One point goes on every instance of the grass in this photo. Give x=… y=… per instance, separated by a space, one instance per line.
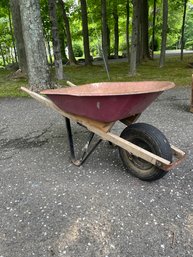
x=174 y=70
x=10 y=87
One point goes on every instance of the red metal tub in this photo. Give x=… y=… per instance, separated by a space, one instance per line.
x=108 y=101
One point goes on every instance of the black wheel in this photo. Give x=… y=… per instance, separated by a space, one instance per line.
x=151 y=139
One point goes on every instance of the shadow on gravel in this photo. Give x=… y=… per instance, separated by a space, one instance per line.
x=35 y=139
x=22 y=143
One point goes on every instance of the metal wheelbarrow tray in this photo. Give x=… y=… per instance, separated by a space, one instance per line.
x=108 y=101
x=144 y=150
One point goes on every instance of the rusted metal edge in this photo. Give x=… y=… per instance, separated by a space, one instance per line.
x=179 y=156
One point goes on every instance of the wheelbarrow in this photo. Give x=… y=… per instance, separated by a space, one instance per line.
x=144 y=150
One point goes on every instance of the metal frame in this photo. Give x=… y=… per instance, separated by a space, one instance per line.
x=86 y=150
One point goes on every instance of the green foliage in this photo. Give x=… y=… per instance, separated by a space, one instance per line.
x=174 y=24
x=188 y=35
x=45 y=19
x=78 y=52
x=5 y=41
x=94 y=23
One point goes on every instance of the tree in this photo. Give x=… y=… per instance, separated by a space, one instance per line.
x=145 y=30
x=135 y=37
x=85 y=32
x=68 y=33
x=81 y=24
x=183 y=27
x=5 y=41
x=164 y=33
x=38 y=71
x=18 y=33
x=116 y=29
x=142 y=31
x=56 y=41
x=2 y=51
x=11 y=32
x=153 y=29
x=104 y=34
x=47 y=29
x=61 y=33
x=188 y=35
x=127 y=28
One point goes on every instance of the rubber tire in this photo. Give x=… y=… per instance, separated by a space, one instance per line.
x=151 y=139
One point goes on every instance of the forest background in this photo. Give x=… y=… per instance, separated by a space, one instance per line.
x=78 y=34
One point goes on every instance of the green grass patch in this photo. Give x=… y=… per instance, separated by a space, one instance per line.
x=174 y=70
x=9 y=86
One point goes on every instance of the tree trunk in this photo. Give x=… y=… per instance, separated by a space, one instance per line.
x=139 y=33
x=63 y=46
x=164 y=33
x=145 y=30
x=56 y=41
x=12 y=56
x=38 y=71
x=127 y=30
x=153 y=29
x=18 y=33
x=12 y=36
x=183 y=27
x=134 y=39
x=143 y=33
x=116 y=29
x=2 y=55
x=104 y=34
x=68 y=34
x=109 y=40
x=85 y=32
x=49 y=52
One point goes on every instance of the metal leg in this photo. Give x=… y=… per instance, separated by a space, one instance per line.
x=86 y=152
x=85 y=148
x=70 y=139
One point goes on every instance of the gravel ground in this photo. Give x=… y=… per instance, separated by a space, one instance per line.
x=48 y=207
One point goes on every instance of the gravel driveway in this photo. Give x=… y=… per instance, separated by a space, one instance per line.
x=48 y=207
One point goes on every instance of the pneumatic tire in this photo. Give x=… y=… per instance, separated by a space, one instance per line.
x=151 y=139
